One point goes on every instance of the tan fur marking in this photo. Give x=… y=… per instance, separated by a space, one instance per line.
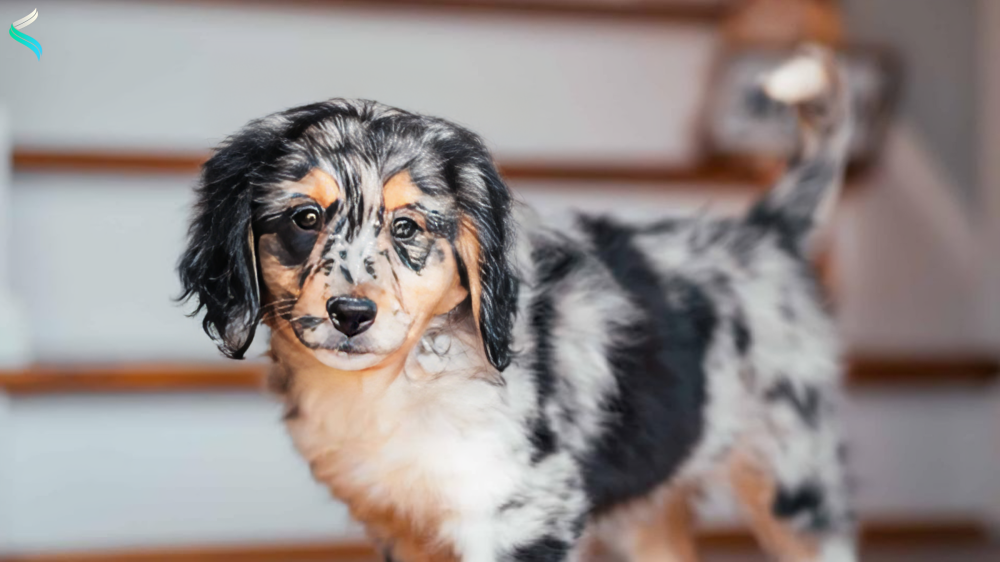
x=755 y=490
x=467 y=245
x=319 y=185
x=655 y=528
x=280 y=282
x=455 y=293
x=343 y=425
x=400 y=191
x=668 y=536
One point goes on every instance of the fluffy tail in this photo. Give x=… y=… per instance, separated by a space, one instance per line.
x=812 y=83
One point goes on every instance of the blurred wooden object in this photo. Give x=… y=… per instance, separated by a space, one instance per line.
x=109 y=161
x=784 y=23
x=739 y=124
x=775 y=25
x=133 y=378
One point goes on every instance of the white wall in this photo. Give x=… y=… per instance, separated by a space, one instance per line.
x=93 y=255
x=938 y=40
x=990 y=165
x=7 y=474
x=99 y=472
x=989 y=173
x=183 y=75
x=912 y=254
x=111 y=471
x=14 y=345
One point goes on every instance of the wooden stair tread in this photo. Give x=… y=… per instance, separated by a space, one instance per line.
x=689 y=12
x=863 y=372
x=951 y=533
x=717 y=172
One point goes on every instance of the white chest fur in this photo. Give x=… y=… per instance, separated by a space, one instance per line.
x=432 y=452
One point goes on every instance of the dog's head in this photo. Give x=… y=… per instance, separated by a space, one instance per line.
x=351 y=224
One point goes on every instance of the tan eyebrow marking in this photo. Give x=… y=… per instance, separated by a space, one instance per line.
x=400 y=191
x=319 y=185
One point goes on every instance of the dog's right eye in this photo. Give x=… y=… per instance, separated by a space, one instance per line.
x=404 y=228
x=306 y=219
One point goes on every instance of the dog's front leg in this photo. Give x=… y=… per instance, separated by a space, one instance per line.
x=527 y=541
x=542 y=525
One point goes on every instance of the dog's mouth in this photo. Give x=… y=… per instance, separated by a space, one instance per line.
x=319 y=334
x=350 y=346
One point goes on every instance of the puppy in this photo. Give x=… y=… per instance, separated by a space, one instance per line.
x=477 y=386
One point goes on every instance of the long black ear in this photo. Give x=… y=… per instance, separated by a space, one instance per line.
x=485 y=242
x=219 y=267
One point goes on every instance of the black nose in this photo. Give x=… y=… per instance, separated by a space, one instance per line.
x=350 y=315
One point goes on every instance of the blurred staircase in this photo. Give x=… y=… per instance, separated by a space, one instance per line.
x=197 y=438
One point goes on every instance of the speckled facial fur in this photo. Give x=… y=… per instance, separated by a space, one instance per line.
x=336 y=158
x=524 y=390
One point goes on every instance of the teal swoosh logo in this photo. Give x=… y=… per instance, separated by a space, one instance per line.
x=23 y=38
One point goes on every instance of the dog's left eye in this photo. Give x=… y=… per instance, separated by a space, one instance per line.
x=404 y=228
x=306 y=219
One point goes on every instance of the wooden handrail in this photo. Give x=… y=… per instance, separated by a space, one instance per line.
x=894 y=371
x=862 y=372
